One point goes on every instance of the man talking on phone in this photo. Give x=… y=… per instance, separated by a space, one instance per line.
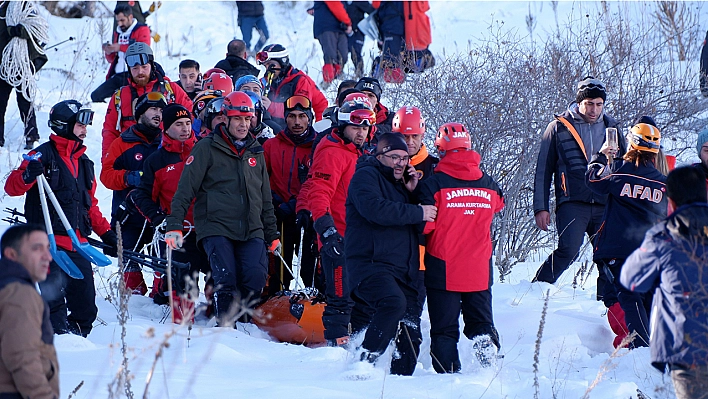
x=566 y=147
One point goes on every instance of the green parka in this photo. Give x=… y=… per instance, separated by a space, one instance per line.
x=232 y=191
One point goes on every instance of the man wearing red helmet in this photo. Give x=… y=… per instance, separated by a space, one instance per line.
x=409 y=121
x=226 y=176
x=325 y=192
x=459 y=277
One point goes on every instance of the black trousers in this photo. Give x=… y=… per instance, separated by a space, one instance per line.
x=107 y=88
x=396 y=310
x=27 y=113
x=335 y=317
x=392 y=53
x=356 y=45
x=573 y=220
x=335 y=47
x=72 y=303
x=444 y=309
x=238 y=267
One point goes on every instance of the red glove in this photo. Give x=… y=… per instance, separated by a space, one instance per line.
x=275 y=246
x=174 y=239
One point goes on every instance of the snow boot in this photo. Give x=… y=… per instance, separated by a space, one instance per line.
x=329 y=72
x=225 y=315
x=394 y=75
x=364 y=368
x=484 y=350
x=182 y=309
x=615 y=315
x=135 y=282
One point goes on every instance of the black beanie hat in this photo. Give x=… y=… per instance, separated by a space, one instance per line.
x=369 y=84
x=590 y=87
x=646 y=119
x=173 y=112
x=390 y=142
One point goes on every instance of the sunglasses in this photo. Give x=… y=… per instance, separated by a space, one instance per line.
x=295 y=101
x=84 y=116
x=137 y=59
x=361 y=117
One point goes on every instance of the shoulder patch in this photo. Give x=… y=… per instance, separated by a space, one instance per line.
x=190 y=159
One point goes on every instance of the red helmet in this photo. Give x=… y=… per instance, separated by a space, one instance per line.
x=358 y=97
x=238 y=103
x=408 y=120
x=219 y=81
x=453 y=136
x=212 y=71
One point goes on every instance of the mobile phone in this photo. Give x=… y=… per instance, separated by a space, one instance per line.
x=406 y=176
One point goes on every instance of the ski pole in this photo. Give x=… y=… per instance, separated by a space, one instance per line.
x=71 y=38
x=286 y=265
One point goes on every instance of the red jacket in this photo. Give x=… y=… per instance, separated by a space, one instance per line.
x=286 y=161
x=417 y=25
x=161 y=174
x=458 y=244
x=332 y=169
x=295 y=82
x=117 y=122
x=69 y=151
x=140 y=33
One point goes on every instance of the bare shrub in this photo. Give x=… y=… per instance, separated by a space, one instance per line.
x=506 y=87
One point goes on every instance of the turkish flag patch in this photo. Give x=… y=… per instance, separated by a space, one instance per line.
x=252 y=162
x=190 y=159
x=138 y=157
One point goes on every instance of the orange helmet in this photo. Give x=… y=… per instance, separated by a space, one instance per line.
x=453 y=136
x=408 y=120
x=238 y=103
x=645 y=137
x=212 y=71
x=219 y=81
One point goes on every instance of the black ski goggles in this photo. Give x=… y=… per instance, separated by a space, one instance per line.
x=137 y=59
x=84 y=117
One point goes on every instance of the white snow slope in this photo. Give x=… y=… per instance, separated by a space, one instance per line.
x=209 y=362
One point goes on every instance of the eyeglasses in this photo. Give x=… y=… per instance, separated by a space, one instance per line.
x=396 y=159
x=301 y=101
x=84 y=116
x=137 y=59
x=361 y=117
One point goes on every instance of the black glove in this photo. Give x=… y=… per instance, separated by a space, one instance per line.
x=34 y=169
x=303 y=220
x=157 y=222
x=111 y=239
x=333 y=244
x=286 y=209
x=14 y=31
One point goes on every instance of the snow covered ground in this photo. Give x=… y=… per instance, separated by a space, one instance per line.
x=209 y=362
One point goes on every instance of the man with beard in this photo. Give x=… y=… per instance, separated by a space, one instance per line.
x=128 y=31
x=145 y=75
x=381 y=249
x=225 y=175
x=326 y=192
x=70 y=172
x=122 y=167
x=153 y=198
x=287 y=156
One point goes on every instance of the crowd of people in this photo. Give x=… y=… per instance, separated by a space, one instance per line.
x=380 y=226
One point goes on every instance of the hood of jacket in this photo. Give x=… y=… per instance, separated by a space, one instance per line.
x=12 y=269
x=463 y=165
x=689 y=221
x=67 y=147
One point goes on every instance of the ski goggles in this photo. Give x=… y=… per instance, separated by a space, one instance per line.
x=360 y=117
x=263 y=56
x=298 y=101
x=84 y=116
x=234 y=110
x=152 y=99
x=137 y=59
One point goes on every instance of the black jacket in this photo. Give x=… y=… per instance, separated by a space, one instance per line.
x=249 y=8
x=562 y=158
x=382 y=225
x=637 y=201
x=356 y=11
x=236 y=67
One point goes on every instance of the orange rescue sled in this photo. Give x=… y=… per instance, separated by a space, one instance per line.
x=293 y=317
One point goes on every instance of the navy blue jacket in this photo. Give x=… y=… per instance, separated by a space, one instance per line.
x=636 y=202
x=672 y=261
x=390 y=17
x=382 y=225
x=325 y=21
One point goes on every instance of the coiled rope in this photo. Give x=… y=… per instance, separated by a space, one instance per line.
x=16 y=67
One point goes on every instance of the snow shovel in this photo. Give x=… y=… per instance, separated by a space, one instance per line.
x=369 y=27
x=84 y=249
x=60 y=257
